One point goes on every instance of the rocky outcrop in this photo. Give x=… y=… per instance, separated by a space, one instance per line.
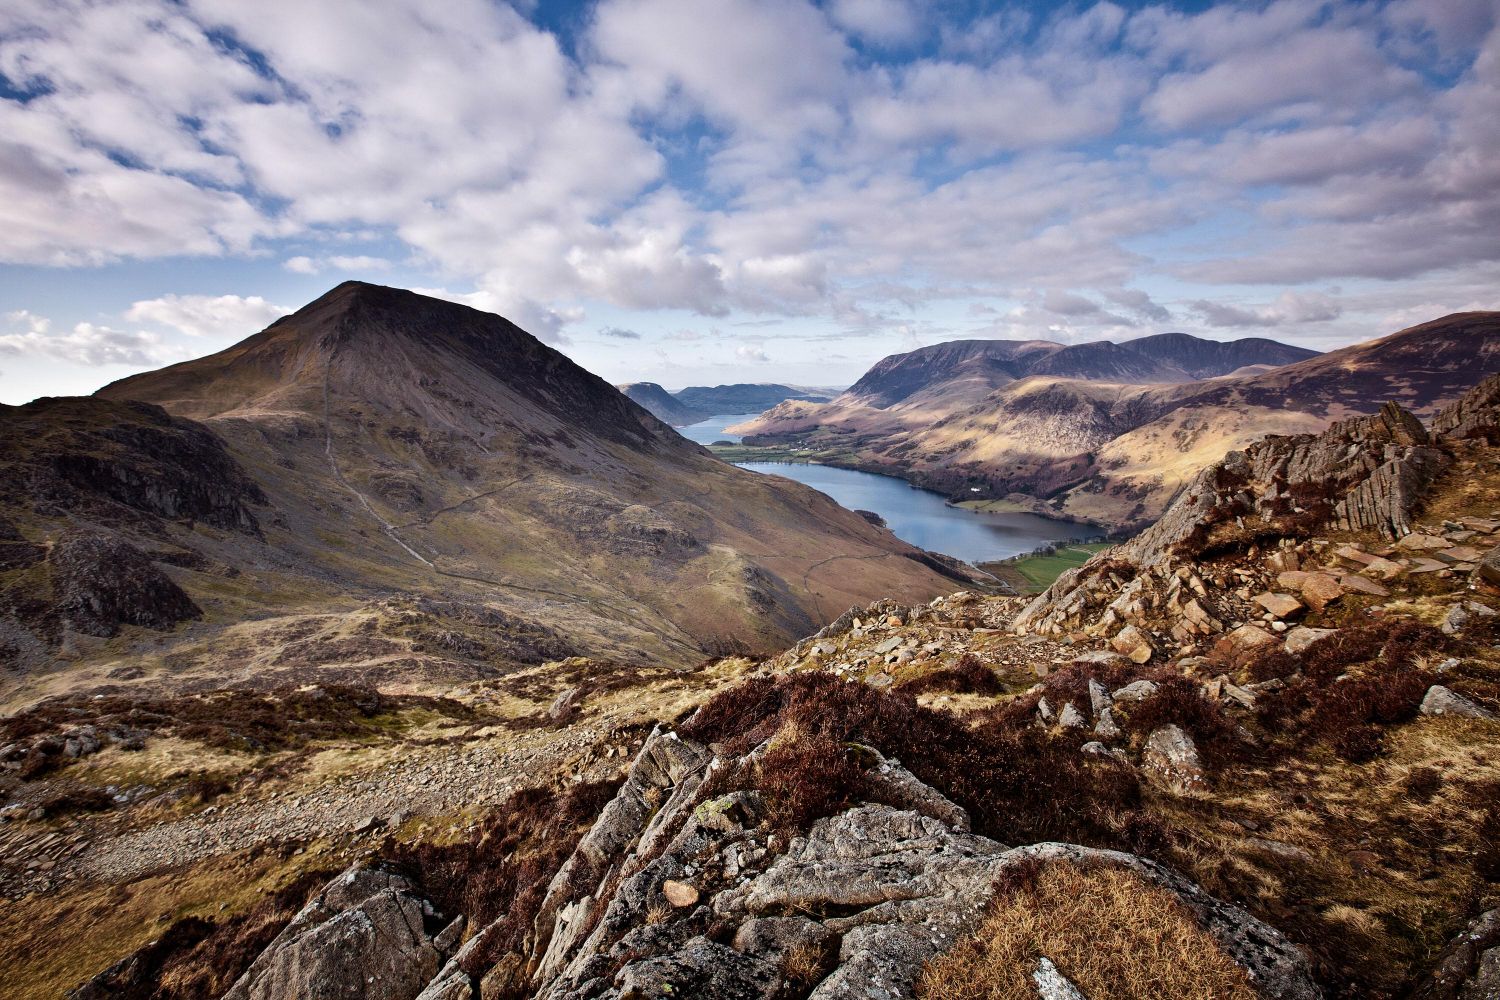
x=678 y=893
x=1475 y=417
x=1368 y=473
x=369 y=935
x=100 y=583
x=115 y=460
x=1469 y=968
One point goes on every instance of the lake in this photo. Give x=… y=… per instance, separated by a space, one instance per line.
x=711 y=430
x=924 y=518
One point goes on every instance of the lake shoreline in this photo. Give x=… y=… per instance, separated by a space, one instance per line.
x=742 y=455
x=927 y=519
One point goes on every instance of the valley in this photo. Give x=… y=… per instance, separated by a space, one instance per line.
x=1258 y=691
x=793 y=500
x=1104 y=434
x=486 y=652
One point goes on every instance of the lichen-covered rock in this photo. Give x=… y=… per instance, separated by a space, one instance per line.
x=856 y=907
x=1440 y=700
x=100 y=583
x=1469 y=967
x=1172 y=755
x=367 y=936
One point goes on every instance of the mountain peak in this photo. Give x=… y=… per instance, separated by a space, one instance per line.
x=368 y=345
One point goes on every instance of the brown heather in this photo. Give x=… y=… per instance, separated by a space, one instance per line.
x=1115 y=936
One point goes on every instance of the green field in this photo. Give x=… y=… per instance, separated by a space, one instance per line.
x=994 y=506
x=745 y=453
x=1034 y=574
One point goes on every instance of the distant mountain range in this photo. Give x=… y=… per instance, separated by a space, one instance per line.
x=384 y=486
x=699 y=402
x=1109 y=432
x=971 y=365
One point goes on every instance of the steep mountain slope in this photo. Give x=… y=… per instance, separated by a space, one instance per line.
x=1115 y=451
x=378 y=444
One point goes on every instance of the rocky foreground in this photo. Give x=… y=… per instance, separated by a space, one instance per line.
x=1251 y=753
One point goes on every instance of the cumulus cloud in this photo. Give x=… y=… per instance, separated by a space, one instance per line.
x=854 y=160
x=882 y=22
x=85 y=344
x=1289 y=309
x=348 y=265
x=207 y=315
x=749 y=352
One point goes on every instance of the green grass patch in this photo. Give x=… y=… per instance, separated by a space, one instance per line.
x=746 y=453
x=994 y=506
x=1034 y=574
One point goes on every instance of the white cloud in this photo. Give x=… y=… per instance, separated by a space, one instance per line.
x=882 y=22
x=1289 y=309
x=748 y=352
x=220 y=316
x=346 y=264
x=86 y=344
x=857 y=161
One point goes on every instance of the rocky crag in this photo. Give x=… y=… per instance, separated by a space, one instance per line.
x=1249 y=754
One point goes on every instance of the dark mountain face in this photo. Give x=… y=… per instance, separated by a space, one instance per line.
x=1106 y=362
x=1168 y=357
x=895 y=378
x=1201 y=358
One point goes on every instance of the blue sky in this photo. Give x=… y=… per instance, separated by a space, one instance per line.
x=704 y=191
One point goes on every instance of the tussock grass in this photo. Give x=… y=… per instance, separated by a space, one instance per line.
x=1114 y=935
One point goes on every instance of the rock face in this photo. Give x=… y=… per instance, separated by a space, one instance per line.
x=1475 y=417
x=1367 y=473
x=101 y=583
x=1469 y=968
x=852 y=910
x=114 y=460
x=367 y=936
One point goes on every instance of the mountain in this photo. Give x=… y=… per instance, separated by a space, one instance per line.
x=390 y=487
x=660 y=403
x=1200 y=358
x=697 y=402
x=747 y=397
x=1108 y=435
x=971 y=365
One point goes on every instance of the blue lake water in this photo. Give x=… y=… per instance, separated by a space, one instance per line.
x=711 y=430
x=924 y=518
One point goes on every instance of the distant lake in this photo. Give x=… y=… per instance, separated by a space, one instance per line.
x=924 y=518
x=711 y=430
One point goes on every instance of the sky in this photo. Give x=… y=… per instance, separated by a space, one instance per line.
x=709 y=191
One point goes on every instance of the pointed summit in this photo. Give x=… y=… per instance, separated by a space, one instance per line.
x=392 y=349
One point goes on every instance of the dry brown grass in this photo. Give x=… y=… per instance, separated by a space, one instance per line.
x=1116 y=936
